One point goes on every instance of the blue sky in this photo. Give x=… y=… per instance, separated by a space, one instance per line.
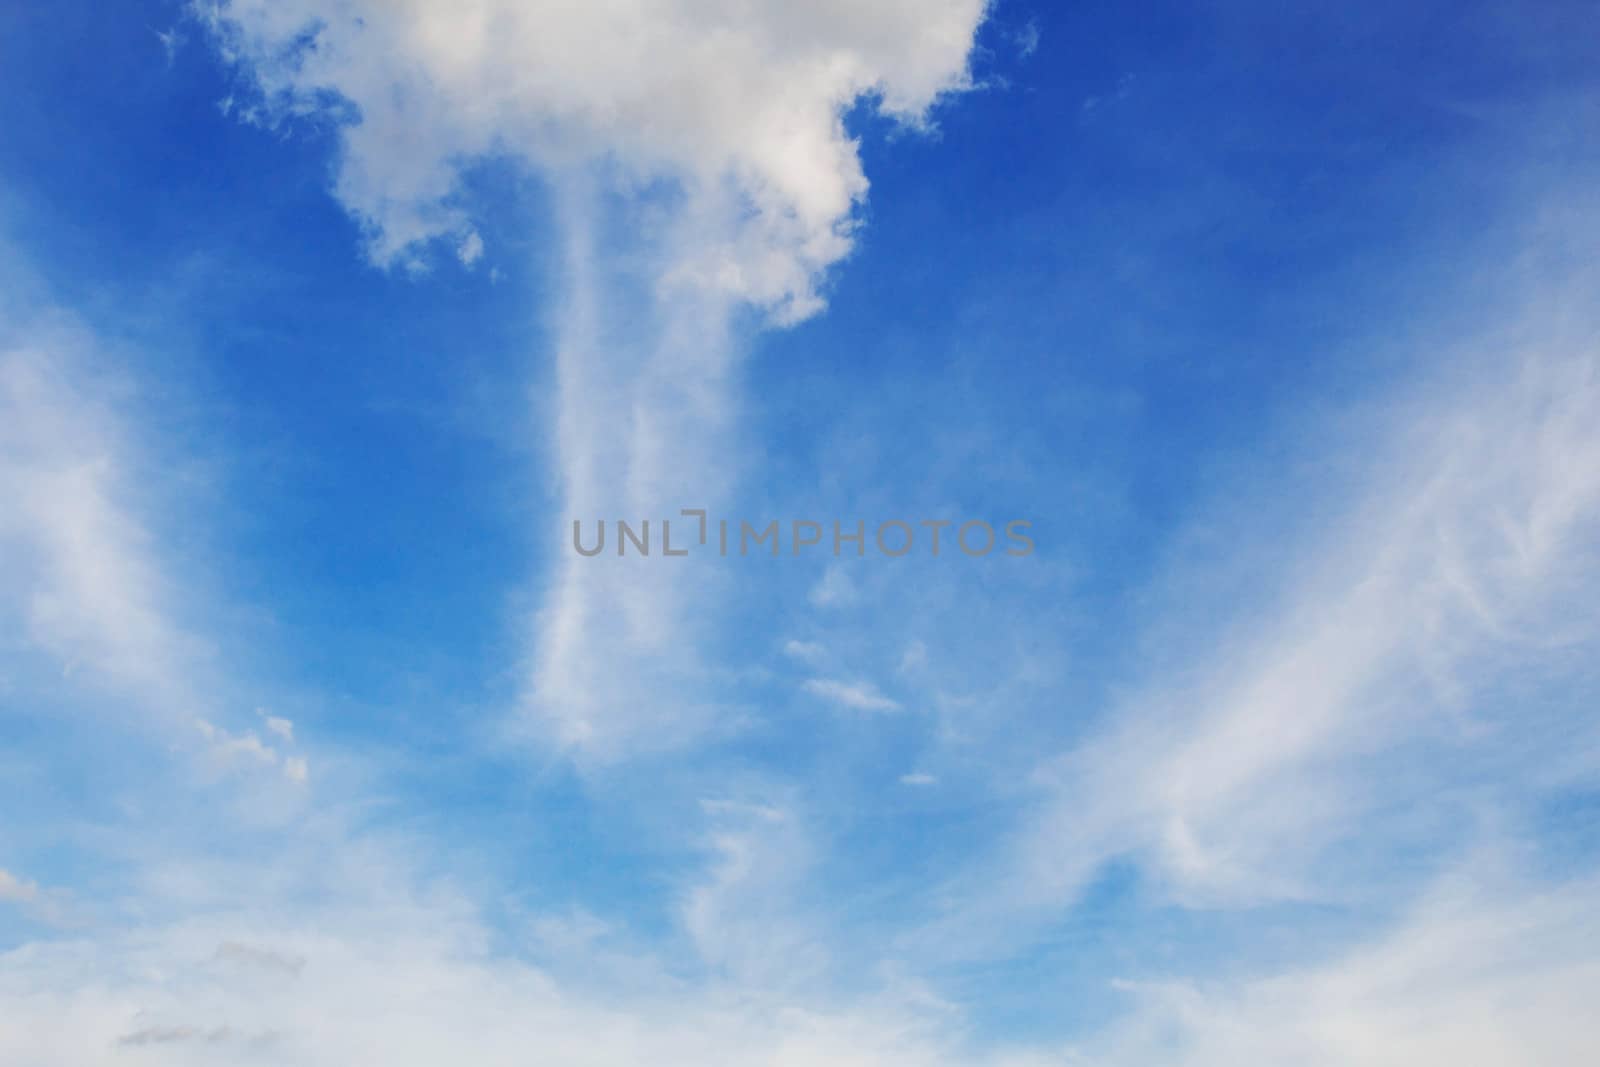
x=321 y=321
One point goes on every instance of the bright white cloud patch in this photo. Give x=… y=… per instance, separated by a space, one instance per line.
x=470 y=250
x=78 y=570
x=858 y=696
x=740 y=104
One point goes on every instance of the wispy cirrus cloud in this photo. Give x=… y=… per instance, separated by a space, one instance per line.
x=228 y=940
x=805 y=651
x=1373 y=687
x=857 y=696
x=82 y=575
x=107 y=616
x=1483 y=971
x=322 y=938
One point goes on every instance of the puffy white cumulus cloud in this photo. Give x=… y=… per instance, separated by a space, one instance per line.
x=738 y=105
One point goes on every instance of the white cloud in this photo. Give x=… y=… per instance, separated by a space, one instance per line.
x=328 y=949
x=78 y=564
x=1366 y=684
x=834 y=589
x=698 y=162
x=470 y=250
x=1473 y=978
x=280 y=726
x=227 y=751
x=805 y=651
x=171 y=41
x=741 y=107
x=860 y=696
x=227 y=748
x=1027 y=39
x=742 y=913
x=918 y=778
x=53 y=907
x=16 y=890
x=397 y=992
x=101 y=608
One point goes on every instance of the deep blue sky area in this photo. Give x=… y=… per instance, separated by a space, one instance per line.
x=213 y=246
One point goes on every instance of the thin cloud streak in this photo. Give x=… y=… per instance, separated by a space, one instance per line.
x=1462 y=560
x=108 y=618
x=857 y=696
x=79 y=568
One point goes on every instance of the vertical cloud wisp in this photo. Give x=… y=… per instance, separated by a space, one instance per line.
x=701 y=165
